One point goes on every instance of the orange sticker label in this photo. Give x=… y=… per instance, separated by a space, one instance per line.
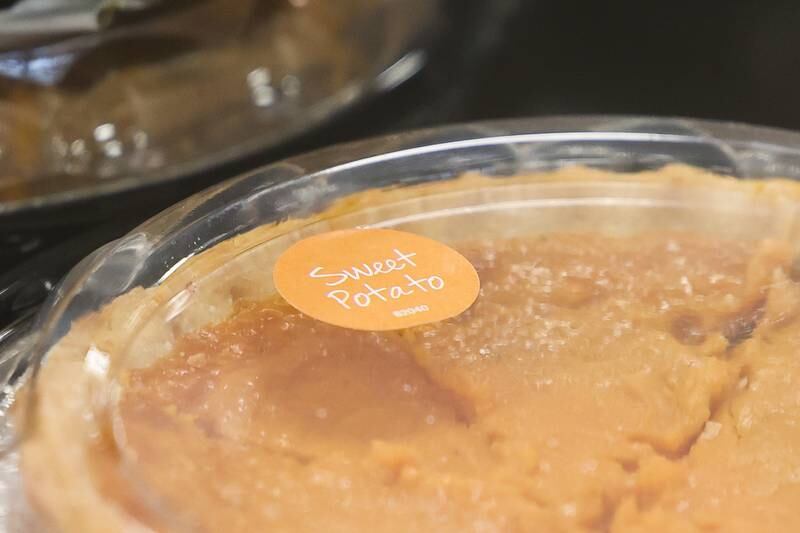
x=375 y=279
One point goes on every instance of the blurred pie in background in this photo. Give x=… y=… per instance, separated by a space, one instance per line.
x=106 y=96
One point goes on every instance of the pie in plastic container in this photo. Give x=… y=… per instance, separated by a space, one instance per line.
x=630 y=362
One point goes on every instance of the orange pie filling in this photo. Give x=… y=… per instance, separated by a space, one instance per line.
x=601 y=384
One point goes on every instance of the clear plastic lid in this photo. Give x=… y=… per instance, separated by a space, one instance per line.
x=623 y=290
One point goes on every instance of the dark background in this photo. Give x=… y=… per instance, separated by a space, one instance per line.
x=731 y=60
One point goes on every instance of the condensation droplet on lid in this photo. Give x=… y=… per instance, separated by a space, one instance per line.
x=96 y=362
x=77 y=147
x=569 y=510
x=687 y=286
x=259 y=76
x=263 y=95
x=710 y=430
x=105 y=132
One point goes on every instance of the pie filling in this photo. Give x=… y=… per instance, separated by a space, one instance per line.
x=598 y=383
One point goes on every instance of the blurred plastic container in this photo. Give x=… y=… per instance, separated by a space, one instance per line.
x=184 y=86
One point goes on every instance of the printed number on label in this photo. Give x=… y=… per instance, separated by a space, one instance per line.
x=411 y=311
